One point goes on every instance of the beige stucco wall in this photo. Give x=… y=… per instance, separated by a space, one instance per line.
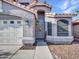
x=76 y=30
x=10 y=9
x=54 y=24
x=24 y=30
x=59 y=39
x=42 y=8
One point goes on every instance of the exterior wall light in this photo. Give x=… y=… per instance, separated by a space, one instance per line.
x=29 y=22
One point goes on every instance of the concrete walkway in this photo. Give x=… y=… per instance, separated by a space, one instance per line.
x=24 y=54
x=42 y=51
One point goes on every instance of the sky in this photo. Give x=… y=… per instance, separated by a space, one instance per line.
x=64 y=6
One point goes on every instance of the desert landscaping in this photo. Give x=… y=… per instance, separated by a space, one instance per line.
x=65 y=51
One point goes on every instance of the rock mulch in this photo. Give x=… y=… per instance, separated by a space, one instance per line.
x=65 y=51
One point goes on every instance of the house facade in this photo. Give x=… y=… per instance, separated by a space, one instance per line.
x=25 y=21
x=76 y=29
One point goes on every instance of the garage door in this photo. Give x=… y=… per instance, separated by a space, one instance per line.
x=10 y=32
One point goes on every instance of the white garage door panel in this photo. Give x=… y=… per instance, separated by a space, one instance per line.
x=10 y=34
x=4 y=34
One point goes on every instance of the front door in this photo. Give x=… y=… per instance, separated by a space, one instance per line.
x=40 y=26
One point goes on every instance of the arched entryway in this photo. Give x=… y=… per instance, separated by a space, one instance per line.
x=40 y=25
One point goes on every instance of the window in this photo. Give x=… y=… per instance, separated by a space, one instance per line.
x=11 y=22
x=62 y=28
x=18 y=22
x=5 y=22
x=49 y=28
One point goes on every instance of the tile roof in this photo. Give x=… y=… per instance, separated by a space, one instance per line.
x=60 y=15
x=23 y=7
x=76 y=22
x=39 y=4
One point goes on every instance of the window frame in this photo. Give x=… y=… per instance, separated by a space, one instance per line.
x=60 y=32
x=49 y=28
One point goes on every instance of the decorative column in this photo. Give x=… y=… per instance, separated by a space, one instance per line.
x=70 y=28
x=28 y=31
x=55 y=27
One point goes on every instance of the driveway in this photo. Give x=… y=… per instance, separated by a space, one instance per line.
x=7 y=51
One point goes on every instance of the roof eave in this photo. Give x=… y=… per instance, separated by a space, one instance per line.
x=20 y=7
